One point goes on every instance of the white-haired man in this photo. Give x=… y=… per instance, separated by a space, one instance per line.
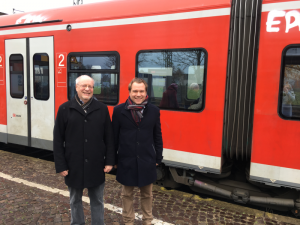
x=84 y=149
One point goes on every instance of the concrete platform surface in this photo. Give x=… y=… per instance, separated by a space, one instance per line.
x=32 y=193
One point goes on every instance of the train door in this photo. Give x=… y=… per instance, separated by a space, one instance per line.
x=16 y=78
x=30 y=91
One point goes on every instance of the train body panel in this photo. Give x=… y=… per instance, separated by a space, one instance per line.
x=275 y=158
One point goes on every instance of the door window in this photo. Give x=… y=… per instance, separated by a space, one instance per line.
x=16 y=70
x=41 y=76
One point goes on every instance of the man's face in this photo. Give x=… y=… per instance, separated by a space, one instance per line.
x=85 y=89
x=138 y=93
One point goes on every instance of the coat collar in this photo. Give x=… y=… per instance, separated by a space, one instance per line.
x=92 y=107
x=127 y=113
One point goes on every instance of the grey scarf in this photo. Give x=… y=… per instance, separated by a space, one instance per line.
x=83 y=105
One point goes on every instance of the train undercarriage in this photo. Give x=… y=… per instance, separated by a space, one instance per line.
x=232 y=184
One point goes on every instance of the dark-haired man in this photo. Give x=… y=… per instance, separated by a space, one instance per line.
x=138 y=143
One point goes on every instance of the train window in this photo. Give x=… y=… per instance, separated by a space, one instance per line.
x=290 y=84
x=175 y=77
x=41 y=76
x=16 y=70
x=103 y=67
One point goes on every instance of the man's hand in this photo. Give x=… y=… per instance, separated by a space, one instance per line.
x=64 y=173
x=107 y=169
x=157 y=164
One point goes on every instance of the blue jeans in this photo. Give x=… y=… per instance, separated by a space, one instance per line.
x=96 y=203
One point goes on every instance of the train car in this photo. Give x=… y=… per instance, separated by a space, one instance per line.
x=225 y=74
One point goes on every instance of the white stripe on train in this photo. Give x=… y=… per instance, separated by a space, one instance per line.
x=3 y=128
x=192 y=159
x=275 y=173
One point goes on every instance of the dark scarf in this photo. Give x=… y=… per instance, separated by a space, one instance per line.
x=136 y=110
x=83 y=105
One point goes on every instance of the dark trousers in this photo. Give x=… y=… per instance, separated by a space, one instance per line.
x=96 y=204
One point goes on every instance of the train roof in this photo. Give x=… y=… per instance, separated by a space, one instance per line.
x=111 y=9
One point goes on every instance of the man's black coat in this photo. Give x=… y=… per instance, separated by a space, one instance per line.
x=139 y=147
x=83 y=143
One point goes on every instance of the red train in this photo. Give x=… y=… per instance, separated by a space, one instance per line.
x=225 y=73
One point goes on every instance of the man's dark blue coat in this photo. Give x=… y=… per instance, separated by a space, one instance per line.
x=138 y=147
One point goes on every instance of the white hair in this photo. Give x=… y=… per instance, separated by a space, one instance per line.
x=82 y=76
x=194 y=85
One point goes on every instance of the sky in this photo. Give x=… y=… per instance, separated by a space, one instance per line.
x=6 y=6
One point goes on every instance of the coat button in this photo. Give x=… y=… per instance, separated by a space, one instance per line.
x=86 y=160
x=137 y=143
x=138 y=156
x=85 y=140
x=85 y=120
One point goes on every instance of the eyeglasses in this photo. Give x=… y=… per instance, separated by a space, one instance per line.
x=84 y=86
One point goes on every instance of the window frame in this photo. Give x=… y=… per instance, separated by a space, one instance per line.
x=33 y=76
x=281 y=82
x=10 y=83
x=204 y=74
x=104 y=53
